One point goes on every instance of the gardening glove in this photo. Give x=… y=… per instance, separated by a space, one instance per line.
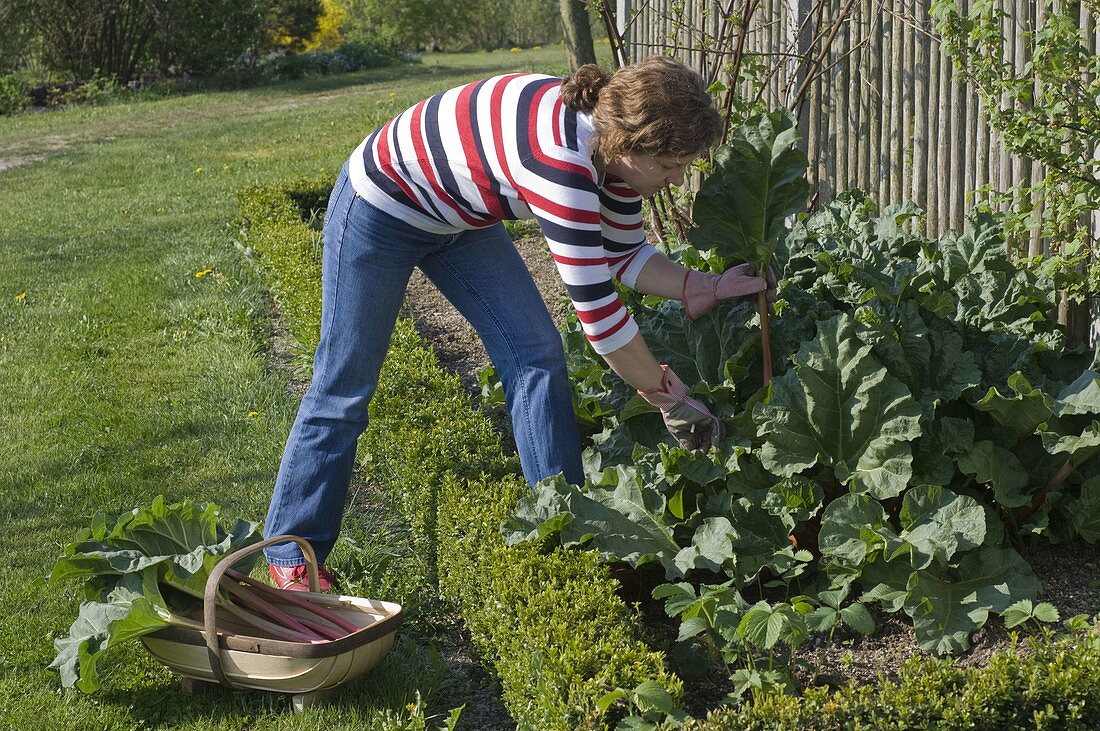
x=702 y=291
x=693 y=426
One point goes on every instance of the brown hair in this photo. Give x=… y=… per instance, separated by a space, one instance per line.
x=657 y=106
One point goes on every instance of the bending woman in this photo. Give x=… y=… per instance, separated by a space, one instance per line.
x=430 y=189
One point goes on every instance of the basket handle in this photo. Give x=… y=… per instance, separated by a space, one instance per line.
x=209 y=605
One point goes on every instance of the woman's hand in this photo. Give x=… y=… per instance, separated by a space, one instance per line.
x=702 y=291
x=687 y=419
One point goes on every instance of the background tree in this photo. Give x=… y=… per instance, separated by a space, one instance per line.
x=14 y=41
x=1047 y=110
x=577 y=28
x=88 y=37
x=205 y=36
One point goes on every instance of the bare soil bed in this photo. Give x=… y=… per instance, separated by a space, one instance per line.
x=1070 y=574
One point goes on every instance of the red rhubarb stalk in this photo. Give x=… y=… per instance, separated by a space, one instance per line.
x=292 y=598
x=765 y=336
x=252 y=600
x=272 y=629
x=322 y=628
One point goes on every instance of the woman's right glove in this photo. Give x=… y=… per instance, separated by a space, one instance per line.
x=693 y=426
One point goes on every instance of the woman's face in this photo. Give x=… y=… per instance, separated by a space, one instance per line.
x=647 y=174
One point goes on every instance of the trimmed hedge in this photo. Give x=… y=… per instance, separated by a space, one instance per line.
x=1048 y=685
x=551 y=624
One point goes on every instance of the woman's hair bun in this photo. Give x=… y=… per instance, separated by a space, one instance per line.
x=582 y=89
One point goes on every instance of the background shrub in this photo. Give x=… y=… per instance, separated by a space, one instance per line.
x=15 y=93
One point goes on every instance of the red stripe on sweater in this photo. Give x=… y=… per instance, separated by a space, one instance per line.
x=423 y=160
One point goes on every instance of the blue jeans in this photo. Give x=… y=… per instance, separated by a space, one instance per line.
x=367 y=261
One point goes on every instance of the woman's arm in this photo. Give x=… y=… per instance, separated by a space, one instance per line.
x=635 y=364
x=661 y=276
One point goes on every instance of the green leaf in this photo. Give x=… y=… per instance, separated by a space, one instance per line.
x=996 y=466
x=628 y=522
x=133 y=607
x=947 y=608
x=765 y=625
x=858 y=618
x=797 y=497
x=1017 y=613
x=822 y=619
x=711 y=547
x=757 y=182
x=1061 y=438
x=1080 y=397
x=1086 y=510
x=979 y=248
x=1045 y=612
x=851 y=529
x=186 y=537
x=839 y=407
x=124 y=561
x=1020 y=413
x=652 y=696
x=938 y=523
x=759 y=540
x=934 y=452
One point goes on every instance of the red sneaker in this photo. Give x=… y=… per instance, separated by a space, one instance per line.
x=295 y=578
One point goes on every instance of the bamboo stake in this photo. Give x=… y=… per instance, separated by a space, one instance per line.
x=921 y=71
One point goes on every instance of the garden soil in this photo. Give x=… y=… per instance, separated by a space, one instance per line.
x=1070 y=575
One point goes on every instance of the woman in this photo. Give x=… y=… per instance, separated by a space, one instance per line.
x=429 y=190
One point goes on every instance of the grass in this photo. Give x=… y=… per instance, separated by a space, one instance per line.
x=134 y=359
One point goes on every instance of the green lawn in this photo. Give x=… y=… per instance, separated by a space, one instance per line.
x=123 y=375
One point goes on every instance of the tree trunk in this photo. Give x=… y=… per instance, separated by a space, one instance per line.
x=578 y=34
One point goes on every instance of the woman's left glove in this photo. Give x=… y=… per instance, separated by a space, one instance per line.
x=687 y=419
x=703 y=291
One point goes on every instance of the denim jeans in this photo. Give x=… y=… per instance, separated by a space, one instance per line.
x=367 y=261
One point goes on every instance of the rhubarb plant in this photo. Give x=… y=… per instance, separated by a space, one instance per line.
x=926 y=422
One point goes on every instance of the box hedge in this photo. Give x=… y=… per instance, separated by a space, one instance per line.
x=1042 y=684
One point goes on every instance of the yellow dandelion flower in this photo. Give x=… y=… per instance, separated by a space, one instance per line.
x=203 y=273
x=515 y=49
x=198 y=170
x=411 y=707
x=253 y=414
x=21 y=297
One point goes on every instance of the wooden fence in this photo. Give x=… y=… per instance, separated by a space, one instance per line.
x=889 y=116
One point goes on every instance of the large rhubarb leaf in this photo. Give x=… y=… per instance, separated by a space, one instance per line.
x=937 y=523
x=1086 y=510
x=1082 y=397
x=629 y=522
x=947 y=608
x=839 y=407
x=186 y=538
x=133 y=607
x=932 y=363
x=993 y=465
x=715 y=348
x=1020 y=413
x=757 y=182
x=979 y=248
x=124 y=562
x=852 y=532
x=934 y=453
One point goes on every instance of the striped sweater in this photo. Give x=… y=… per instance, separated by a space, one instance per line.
x=508 y=148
